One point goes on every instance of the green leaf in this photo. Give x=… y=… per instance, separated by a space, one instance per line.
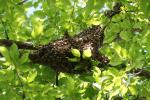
x=24 y=58
x=6 y=75
x=126 y=35
x=31 y=76
x=115 y=60
x=145 y=6
x=133 y=90
x=87 y=53
x=123 y=90
x=14 y=53
x=87 y=77
x=117 y=80
x=121 y=52
x=5 y=53
x=37 y=26
x=73 y=59
x=3 y=4
x=96 y=73
x=113 y=71
x=114 y=93
x=75 y=52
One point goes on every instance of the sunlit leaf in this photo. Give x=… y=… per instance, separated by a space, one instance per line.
x=24 y=58
x=31 y=76
x=87 y=53
x=5 y=53
x=75 y=52
x=14 y=53
x=126 y=35
x=133 y=90
x=73 y=59
x=123 y=90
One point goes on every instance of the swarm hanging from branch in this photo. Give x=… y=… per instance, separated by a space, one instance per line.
x=56 y=54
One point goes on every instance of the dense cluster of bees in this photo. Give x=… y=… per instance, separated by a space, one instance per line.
x=59 y=56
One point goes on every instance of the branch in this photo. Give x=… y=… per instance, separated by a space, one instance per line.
x=22 y=2
x=141 y=72
x=21 y=45
x=116 y=10
x=135 y=72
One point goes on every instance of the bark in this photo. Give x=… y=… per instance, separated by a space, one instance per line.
x=21 y=45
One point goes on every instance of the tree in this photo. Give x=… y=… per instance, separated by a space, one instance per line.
x=74 y=50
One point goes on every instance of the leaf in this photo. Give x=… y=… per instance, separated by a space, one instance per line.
x=133 y=90
x=96 y=73
x=117 y=81
x=24 y=58
x=126 y=35
x=99 y=97
x=73 y=59
x=114 y=93
x=89 y=5
x=6 y=75
x=121 y=52
x=109 y=87
x=87 y=78
x=87 y=53
x=5 y=53
x=63 y=80
x=37 y=26
x=75 y=52
x=14 y=54
x=117 y=48
x=67 y=82
x=113 y=71
x=145 y=6
x=3 y=4
x=123 y=90
x=115 y=60
x=31 y=76
x=93 y=21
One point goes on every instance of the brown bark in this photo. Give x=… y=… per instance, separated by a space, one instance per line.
x=21 y=45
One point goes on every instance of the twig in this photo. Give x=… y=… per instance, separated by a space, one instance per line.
x=57 y=74
x=141 y=72
x=22 y=2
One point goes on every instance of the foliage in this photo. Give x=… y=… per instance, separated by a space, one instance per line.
x=126 y=44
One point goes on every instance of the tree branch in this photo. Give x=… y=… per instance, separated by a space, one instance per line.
x=21 y=45
x=141 y=72
x=22 y=2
